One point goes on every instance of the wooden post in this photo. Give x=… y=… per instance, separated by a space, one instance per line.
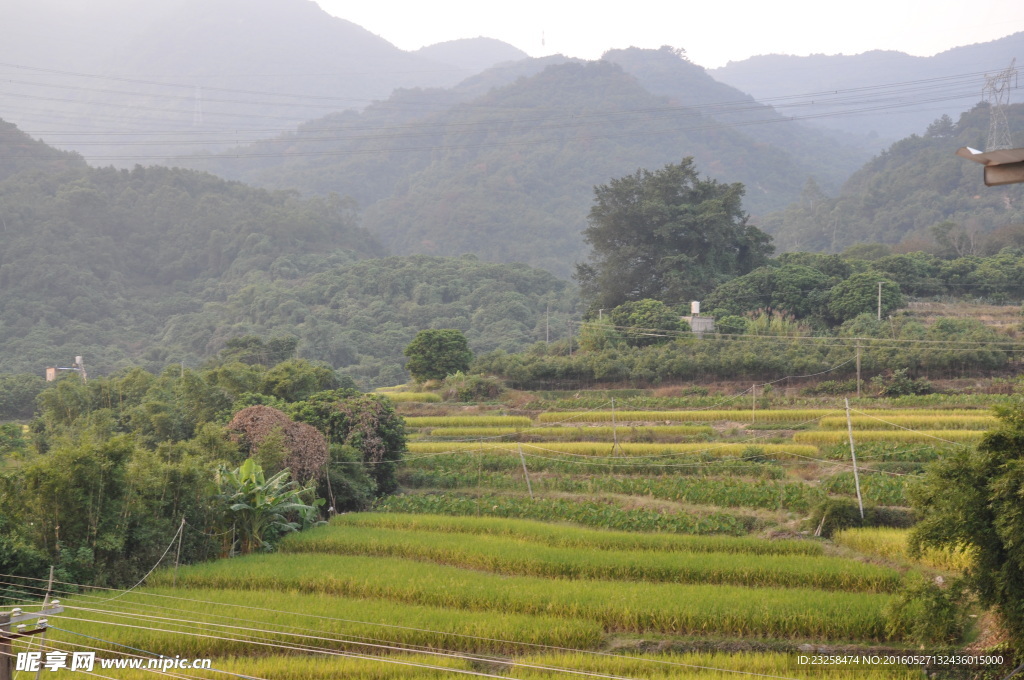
x=6 y=650
x=853 y=455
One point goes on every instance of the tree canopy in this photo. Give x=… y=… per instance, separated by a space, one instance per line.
x=436 y=353
x=666 y=235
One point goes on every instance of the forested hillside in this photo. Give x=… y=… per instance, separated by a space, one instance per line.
x=158 y=265
x=916 y=192
x=508 y=175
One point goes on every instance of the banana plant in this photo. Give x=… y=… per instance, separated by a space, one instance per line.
x=260 y=510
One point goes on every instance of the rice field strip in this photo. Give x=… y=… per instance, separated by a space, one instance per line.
x=216 y=603
x=869 y=415
x=851 y=466
x=246 y=636
x=500 y=555
x=955 y=423
x=249 y=638
x=646 y=608
x=305 y=648
x=52 y=647
x=390 y=625
x=827 y=437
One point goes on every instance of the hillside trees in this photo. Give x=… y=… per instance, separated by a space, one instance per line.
x=666 y=235
x=972 y=499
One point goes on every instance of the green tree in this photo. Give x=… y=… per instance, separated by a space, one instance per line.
x=666 y=235
x=859 y=295
x=971 y=500
x=436 y=353
x=647 y=322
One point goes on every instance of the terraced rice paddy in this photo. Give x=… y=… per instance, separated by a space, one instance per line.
x=599 y=540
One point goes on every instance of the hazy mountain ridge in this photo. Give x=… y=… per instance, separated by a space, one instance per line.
x=508 y=174
x=778 y=75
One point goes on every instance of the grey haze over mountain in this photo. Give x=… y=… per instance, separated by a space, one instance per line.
x=884 y=93
x=143 y=72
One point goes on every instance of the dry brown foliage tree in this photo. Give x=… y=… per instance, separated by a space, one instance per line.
x=307 y=448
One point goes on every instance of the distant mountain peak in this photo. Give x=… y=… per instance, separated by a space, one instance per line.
x=472 y=54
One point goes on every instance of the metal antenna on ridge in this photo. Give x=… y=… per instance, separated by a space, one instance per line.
x=997 y=93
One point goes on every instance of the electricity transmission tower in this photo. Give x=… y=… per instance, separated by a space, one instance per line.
x=997 y=93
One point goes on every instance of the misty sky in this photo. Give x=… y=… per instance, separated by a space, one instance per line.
x=712 y=32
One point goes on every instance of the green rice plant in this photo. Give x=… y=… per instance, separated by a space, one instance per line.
x=504 y=555
x=668 y=608
x=895 y=421
x=711 y=665
x=206 y=615
x=890 y=452
x=696 y=465
x=591 y=433
x=727 y=492
x=416 y=397
x=585 y=512
x=567 y=536
x=482 y=420
x=610 y=450
x=875 y=488
x=829 y=437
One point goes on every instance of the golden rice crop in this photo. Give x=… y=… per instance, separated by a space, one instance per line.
x=828 y=437
x=668 y=608
x=886 y=422
x=163 y=611
x=739 y=415
x=607 y=449
x=504 y=555
x=417 y=397
x=891 y=544
x=566 y=536
x=482 y=420
x=589 y=433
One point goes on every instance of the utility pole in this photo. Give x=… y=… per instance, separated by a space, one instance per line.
x=858 y=368
x=526 y=473
x=16 y=617
x=853 y=455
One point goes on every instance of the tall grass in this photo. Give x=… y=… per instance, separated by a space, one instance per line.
x=618 y=606
x=588 y=433
x=894 y=420
x=738 y=415
x=505 y=555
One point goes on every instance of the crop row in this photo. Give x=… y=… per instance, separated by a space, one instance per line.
x=578 y=511
x=739 y=415
x=728 y=492
x=482 y=420
x=212 y=613
x=560 y=666
x=896 y=421
x=698 y=465
x=565 y=536
x=618 y=606
x=891 y=544
x=591 y=433
x=827 y=437
x=504 y=555
x=610 y=450
x=414 y=397
x=874 y=487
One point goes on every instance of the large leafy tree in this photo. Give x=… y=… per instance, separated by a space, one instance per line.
x=436 y=353
x=973 y=500
x=666 y=235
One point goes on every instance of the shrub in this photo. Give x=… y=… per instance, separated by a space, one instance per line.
x=842 y=513
x=462 y=387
